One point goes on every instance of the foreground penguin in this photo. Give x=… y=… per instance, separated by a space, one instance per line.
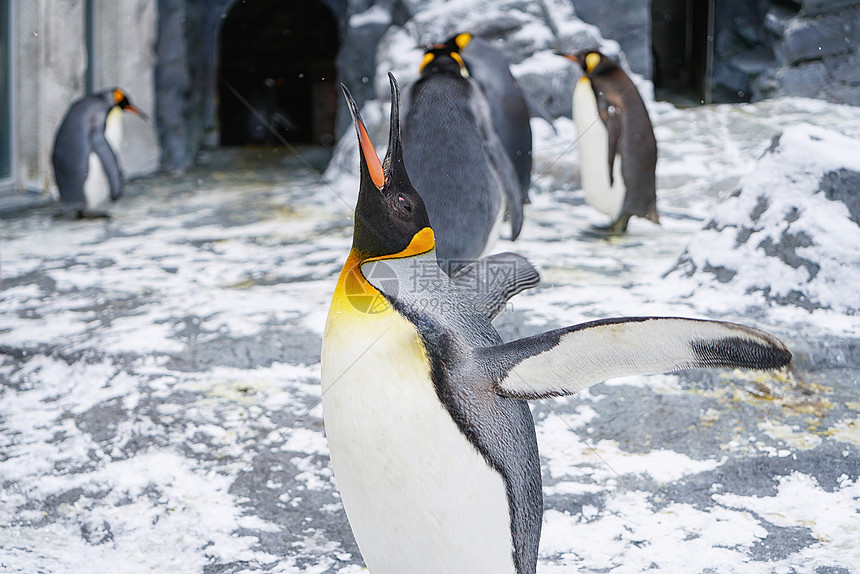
x=618 y=152
x=455 y=157
x=432 y=444
x=85 y=165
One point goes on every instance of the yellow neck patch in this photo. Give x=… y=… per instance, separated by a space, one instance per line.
x=118 y=96
x=355 y=294
x=591 y=61
x=459 y=59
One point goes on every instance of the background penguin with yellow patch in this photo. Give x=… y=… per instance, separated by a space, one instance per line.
x=85 y=165
x=432 y=443
x=617 y=148
x=456 y=158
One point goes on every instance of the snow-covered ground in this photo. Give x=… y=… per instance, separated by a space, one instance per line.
x=160 y=378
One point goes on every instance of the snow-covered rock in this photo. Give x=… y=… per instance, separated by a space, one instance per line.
x=790 y=235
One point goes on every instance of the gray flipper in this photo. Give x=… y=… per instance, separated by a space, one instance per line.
x=568 y=360
x=502 y=164
x=613 y=126
x=109 y=162
x=491 y=281
x=514 y=196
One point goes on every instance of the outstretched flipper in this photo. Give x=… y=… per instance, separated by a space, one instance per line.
x=109 y=163
x=568 y=360
x=491 y=281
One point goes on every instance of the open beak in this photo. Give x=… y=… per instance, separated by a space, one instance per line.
x=369 y=160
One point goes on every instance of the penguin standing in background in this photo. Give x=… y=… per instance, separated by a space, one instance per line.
x=455 y=157
x=85 y=164
x=508 y=107
x=618 y=151
x=432 y=443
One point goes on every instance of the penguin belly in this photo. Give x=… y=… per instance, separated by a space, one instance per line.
x=594 y=154
x=419 y=496
x=96 y=185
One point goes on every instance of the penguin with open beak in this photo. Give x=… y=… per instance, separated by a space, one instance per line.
x=431 y=438
x=617 y=148
x=85 y=165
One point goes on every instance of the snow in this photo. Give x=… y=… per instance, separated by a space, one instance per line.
x=160 y=371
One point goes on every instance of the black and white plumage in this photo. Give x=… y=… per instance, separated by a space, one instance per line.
x=85 y=165
x=618 y=150
x=433 y=447
x=455 y=157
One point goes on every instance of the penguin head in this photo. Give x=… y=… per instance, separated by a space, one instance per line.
x=390 y=217
x=120 y=99
x=446 y=57
x=593 y=62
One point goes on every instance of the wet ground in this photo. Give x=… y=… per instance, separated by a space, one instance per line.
x=160 y=379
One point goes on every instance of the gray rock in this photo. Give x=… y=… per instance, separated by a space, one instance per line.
x=807 y=80
x=845 y=70
x=815 y=39
x=843 y=185
x=628 y=22
x=818 y=7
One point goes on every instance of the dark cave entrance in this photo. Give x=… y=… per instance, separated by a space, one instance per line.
x=682 y=33
x=280 y=58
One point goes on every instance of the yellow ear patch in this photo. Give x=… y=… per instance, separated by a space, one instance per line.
x=462 y=40
x=464 y=71
x=591 y=61
x=428 y=57
x=118 y=96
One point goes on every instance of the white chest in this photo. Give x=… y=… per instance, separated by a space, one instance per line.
x=419 y=497
x=97 y=185
x=594 y=154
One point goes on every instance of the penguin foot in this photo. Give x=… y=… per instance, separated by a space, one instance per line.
x=86 y=214
x=77 y=214
x=616 y=228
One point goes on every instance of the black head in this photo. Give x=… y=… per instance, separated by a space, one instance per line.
x=389 y=212
x=119 y=98
x=593 y=62
x=446 y=57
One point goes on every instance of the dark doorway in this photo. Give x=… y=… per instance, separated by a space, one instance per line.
x=279 y=57
x=682 y=34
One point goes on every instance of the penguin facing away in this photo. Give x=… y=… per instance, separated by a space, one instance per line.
x=618 y=151
x=432 y=443
x=455 y=157
x=85 y=164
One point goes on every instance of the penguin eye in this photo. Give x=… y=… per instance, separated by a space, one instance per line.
x=404 y=203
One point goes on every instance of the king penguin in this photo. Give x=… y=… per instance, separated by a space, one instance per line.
x=618 y=151
x=431 y=438
x=456 y=158
x=85 y=164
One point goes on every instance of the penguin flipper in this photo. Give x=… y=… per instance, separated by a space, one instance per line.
x=491 y=281
x=110 y=165
x=568 y=360
x=613 y=126
x=503 y=165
